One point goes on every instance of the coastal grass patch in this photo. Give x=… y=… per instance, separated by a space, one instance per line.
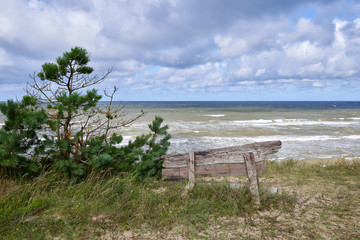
x=337 y=169
x=51 y=206
x=313 y=201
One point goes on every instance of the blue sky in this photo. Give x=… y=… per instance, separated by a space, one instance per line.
x=191 y=50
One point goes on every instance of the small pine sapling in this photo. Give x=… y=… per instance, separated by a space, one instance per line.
x=151 y=161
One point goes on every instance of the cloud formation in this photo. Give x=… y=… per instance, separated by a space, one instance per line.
x=182 y=46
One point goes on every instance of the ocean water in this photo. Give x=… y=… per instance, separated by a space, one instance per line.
x=308 y=130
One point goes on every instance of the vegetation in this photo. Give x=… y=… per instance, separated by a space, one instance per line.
x=313 y=202
x=78 y=135
x=111 y=191
x=19 y=136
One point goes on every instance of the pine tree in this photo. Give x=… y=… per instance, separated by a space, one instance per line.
x=85 y=139
x=77 y=117
x=19 y=140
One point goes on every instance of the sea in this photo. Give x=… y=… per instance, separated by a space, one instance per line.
x=308 y=130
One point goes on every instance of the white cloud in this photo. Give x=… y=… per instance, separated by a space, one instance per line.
x=246 y=83
x=304 y=51
x=244 y=71
x=260 y=72
x=201 y=44
x=317 y=84
x=230 y=47
x=315 y=70
x=307 y=30
x=5 y=59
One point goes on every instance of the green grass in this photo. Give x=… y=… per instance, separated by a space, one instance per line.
x=311 y=197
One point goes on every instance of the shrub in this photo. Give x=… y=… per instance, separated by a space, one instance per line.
x=19 y=137
x=81 y=136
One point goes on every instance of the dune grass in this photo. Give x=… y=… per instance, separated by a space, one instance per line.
x=314 y=201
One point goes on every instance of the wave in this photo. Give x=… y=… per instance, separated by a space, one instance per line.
x=258 y=127
x=262 y=123
x=215 y=115
x=279 y=137
x=291 y=122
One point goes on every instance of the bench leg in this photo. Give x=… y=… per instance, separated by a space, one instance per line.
x=252 y=175
x=191 y=176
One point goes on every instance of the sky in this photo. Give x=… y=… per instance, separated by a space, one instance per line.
x=191 y=50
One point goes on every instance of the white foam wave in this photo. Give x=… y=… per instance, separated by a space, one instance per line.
x=229 y=126
x=279 y=137
x=178 y=140
x=215 y=115
x=354 y=137
x=291 y=122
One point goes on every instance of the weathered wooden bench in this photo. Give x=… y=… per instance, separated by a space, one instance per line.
x=231 y=161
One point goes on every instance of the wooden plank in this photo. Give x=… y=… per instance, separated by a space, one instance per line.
x=211 y=170
x=175 y=173
x=228 y=155
x=191 y=174
x=252 y=175
x=192 y=167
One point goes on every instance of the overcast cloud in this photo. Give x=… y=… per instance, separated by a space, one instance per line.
x=191 y=50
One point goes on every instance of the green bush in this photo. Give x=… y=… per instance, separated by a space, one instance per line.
x=19 y=137
x=80 y=136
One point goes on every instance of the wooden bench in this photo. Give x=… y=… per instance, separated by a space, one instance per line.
x=231 y=161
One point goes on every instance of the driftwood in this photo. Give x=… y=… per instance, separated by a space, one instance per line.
x=232 y=161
